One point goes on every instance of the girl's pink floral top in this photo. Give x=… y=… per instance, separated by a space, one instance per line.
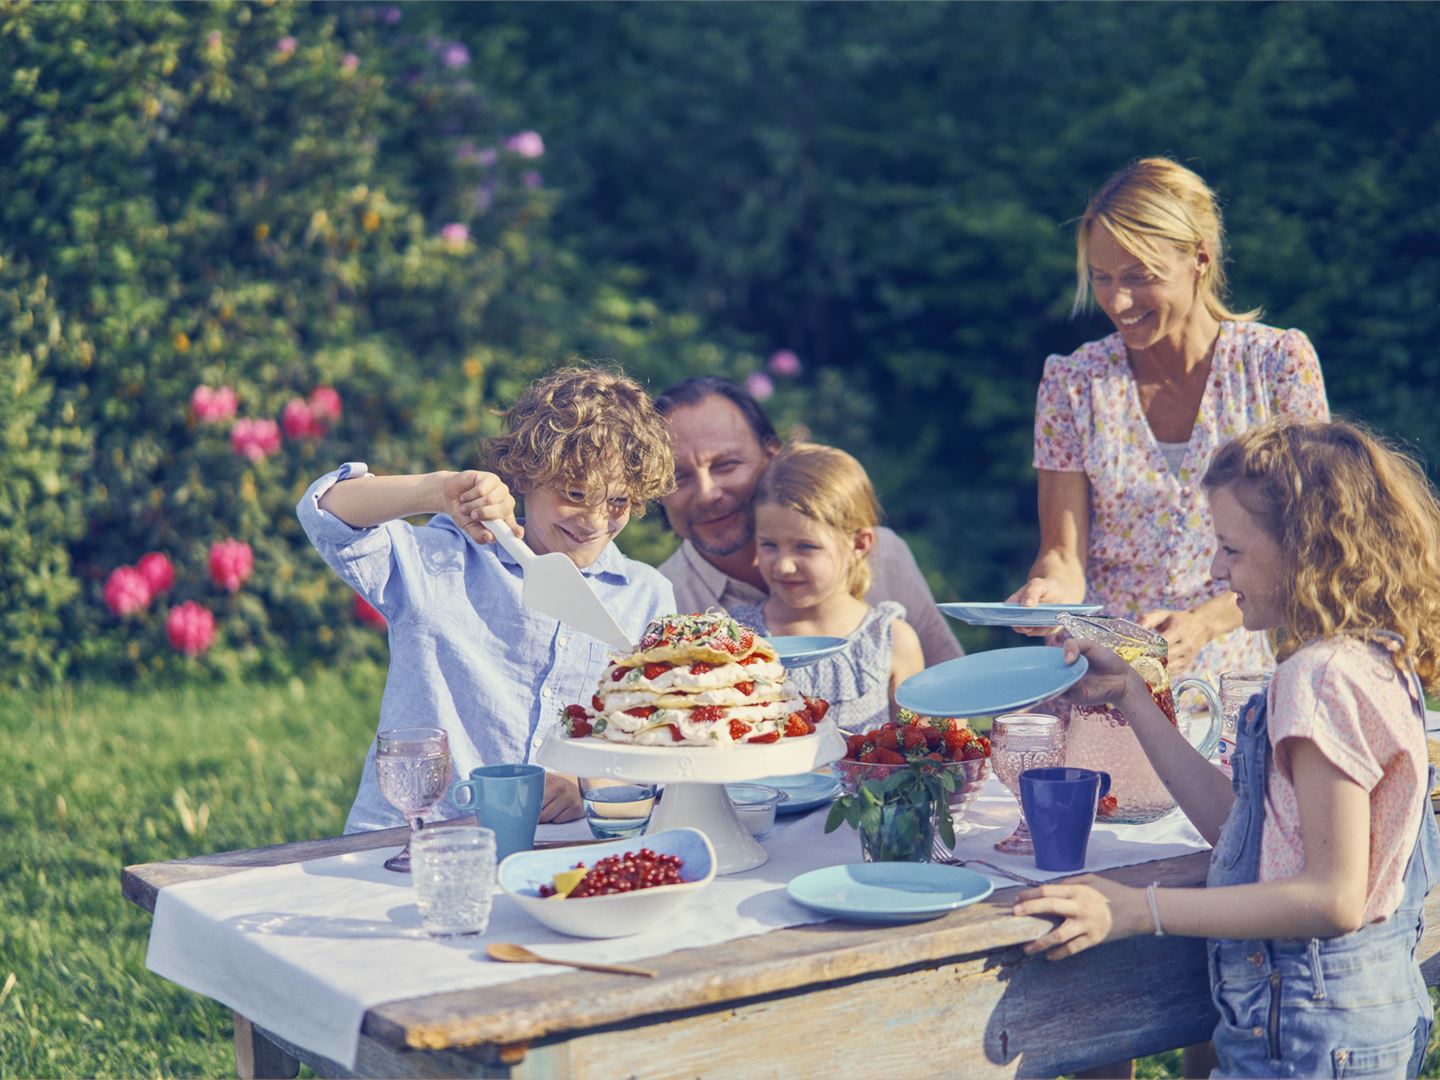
x=1151 y=536
x=1348 y=698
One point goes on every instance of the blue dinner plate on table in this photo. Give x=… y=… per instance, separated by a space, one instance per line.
x=803 y=791
x=983 y=684
x=799 y=651
x=889 y=892
x=1015 y=614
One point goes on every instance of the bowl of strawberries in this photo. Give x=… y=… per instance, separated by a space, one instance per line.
x=941 y=744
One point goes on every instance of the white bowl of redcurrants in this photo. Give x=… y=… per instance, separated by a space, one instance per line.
x=627 y=886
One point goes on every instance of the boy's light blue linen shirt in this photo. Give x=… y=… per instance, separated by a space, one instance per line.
x=466 y=655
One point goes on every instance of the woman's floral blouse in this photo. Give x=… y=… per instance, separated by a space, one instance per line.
x=1151 y=536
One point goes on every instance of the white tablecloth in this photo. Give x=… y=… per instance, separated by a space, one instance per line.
x=304 y=950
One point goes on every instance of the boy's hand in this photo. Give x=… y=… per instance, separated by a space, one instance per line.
x=562 y=799
x=473 y=498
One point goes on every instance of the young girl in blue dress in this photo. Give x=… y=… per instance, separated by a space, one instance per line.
x=1325 y=846
x=815 y=520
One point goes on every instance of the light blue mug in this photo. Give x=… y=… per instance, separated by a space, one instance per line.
x=505 y=799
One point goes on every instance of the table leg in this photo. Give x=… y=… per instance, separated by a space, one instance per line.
x=257 y=1058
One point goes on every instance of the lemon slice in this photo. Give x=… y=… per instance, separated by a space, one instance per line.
x=1151 y=670
x=566 y=880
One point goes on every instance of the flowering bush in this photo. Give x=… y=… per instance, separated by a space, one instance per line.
x=231 y=562
x=190 y=628
x=302 y=206
x=127 y=591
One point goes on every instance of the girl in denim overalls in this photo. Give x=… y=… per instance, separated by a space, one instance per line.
x=1325 y=846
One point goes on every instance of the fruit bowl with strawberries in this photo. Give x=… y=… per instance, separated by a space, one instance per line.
x=939 y=744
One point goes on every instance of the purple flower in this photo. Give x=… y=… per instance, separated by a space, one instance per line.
x=455 y=235
x=285 y=46
x=759 y=386
x=350 y=63
x=487 y=156
x=531 y=179
x=390 y=14
x=455 y=55
x=527 y=144
x=784 y=362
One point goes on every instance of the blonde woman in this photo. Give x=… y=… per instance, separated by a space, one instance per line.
x=1125 y=426
x=815 y=521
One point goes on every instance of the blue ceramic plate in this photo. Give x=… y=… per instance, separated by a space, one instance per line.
x=983 y=684
x=889 y=891
x=1014 y=614
x=803 y=791
x=800 y=651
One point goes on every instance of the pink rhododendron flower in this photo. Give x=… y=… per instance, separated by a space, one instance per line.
x=367 y=614
x=325 y=404
x=455 y=235
x=231 y=562
x=455 y=55
x=350 y=62
x=190 y=628
x=213 y=40
x=127 y=591
x=299 y=422
x=212 y=406
x=759 y=385
x=255 y=439
x=158 y=571
x=527 y=144
x=784 y=362
x=285 y=46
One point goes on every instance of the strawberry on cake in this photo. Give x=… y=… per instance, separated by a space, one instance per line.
x=696 y=680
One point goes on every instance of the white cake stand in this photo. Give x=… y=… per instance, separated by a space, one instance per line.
x=695 y=779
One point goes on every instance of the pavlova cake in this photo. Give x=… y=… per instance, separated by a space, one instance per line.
x=696 y=680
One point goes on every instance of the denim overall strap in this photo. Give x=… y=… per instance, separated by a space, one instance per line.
x=1235 y=859
x=1351 y=1005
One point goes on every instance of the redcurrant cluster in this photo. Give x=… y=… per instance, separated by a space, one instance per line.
x=643 y=869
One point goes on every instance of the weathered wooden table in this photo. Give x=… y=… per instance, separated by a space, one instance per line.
x=951 y=996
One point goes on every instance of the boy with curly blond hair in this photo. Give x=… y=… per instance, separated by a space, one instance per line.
x=584 y=449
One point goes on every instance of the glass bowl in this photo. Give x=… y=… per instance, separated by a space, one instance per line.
x=755 y=806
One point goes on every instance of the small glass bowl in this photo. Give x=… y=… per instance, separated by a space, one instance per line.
x=755 y=806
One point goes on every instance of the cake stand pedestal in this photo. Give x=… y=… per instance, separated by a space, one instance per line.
x=695 y=779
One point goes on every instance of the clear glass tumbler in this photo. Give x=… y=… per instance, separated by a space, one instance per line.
x=1236 y=689
x=616 y=809
x=453 y=868
x=1020 y=741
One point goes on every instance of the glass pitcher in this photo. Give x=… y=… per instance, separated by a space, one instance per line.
x=1099 y=736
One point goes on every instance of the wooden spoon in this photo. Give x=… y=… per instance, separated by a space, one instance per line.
x=519 y=954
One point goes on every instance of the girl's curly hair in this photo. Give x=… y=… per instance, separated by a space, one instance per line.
x=1358 y=527
x=585 y=427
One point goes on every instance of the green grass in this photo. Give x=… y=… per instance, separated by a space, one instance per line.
x=99 y=778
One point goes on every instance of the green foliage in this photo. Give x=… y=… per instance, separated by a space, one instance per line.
x=271 y=198
x=888 y=190
x=894 y=812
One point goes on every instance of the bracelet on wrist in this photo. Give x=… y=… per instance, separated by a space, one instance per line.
x=1154 y=908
